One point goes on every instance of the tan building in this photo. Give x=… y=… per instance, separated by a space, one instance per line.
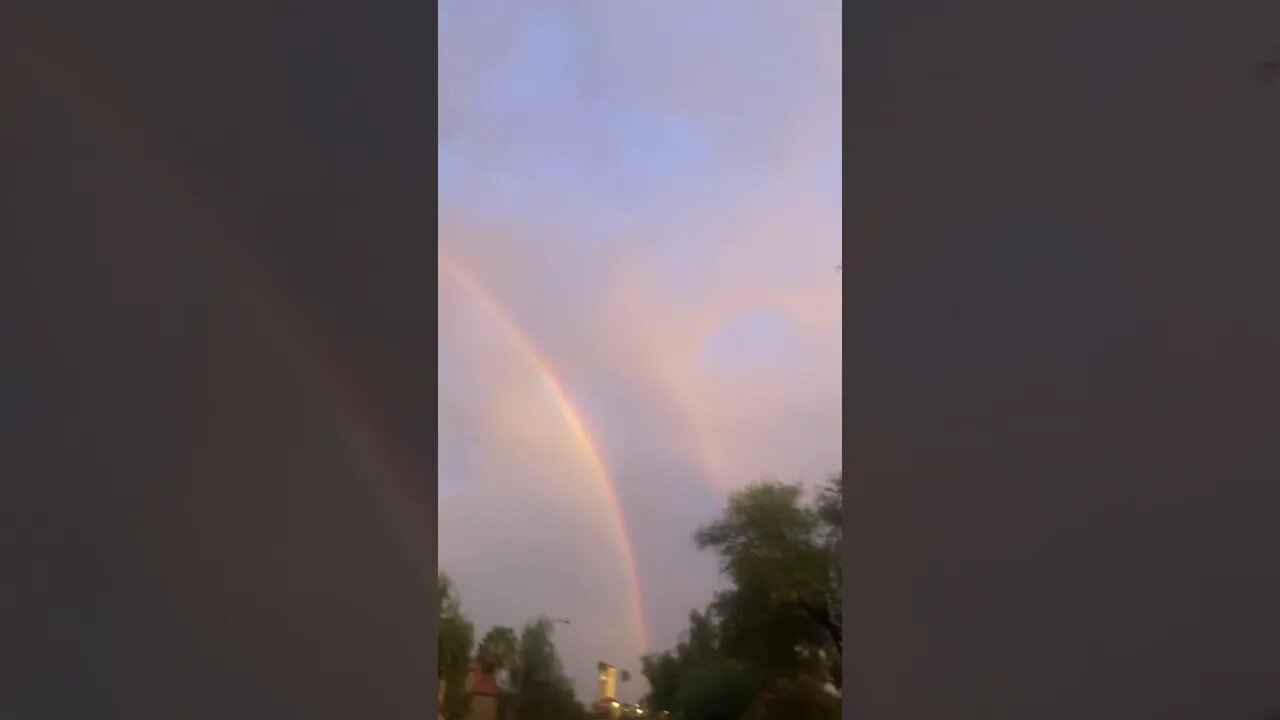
x=608 y=682
x=487 y=695
x=606 y=705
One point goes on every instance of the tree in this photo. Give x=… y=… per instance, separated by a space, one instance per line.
x=768 y=644
x=795 y=700
x=719 y=689
x=702 y=643
x=545 y=693
x=830 y=509
x=697 y=679
x=663 y=672
x=500 y=648
x=781 y=615
x=453 y=650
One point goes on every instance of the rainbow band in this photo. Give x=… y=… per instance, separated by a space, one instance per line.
x=574 y=420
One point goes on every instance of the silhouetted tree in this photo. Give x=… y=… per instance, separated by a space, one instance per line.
x=454 y=640
x=544 y=692
x=500 y=648
x=768 y=644
x=663 y=672
x=781 y=614
x=720 y=689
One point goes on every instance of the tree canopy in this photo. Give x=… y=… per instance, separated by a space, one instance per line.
x=718 y=689
x=782 y=555
x=545 y=692
x=770 y=642
x=500 y=648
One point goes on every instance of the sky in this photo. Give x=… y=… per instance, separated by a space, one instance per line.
x=647 y=199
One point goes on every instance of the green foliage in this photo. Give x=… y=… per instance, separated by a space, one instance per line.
x=698 y=646
x=454 y=641
x=663 y=672
x=767 y=643
x=717 y=689
x=766 y=536
x=795 y=701
x=782 y=554
x=500 y=648
x=545 y=693
x=702 y=640
x=769 y=634
x=698 y=680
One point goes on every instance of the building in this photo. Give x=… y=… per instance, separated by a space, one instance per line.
x=606 y=704
x=489 y=697
x=608 y=682
x=485 y=693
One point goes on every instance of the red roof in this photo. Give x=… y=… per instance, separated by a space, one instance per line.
x=482 y=683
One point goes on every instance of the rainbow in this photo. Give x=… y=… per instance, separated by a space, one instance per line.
x=573 y=418
x=280 y=320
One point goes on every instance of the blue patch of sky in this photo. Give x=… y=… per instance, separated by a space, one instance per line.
x=653 y=162
x=661 y=157
x=630 y=164
x=565 y=139
x=539 y=76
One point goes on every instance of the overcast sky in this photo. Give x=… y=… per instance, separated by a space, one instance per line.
x=652 y=196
